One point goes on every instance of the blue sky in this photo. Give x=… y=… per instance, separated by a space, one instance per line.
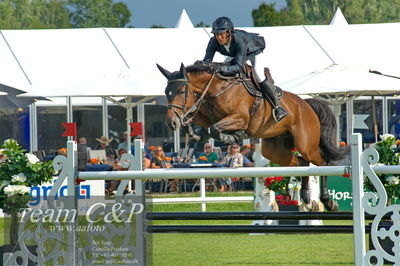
x=146 y=13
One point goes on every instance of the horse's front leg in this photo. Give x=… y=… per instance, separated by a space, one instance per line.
x=198 y=135
x=230 y=129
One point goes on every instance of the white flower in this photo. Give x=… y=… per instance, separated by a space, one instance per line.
x=393 y=180
x=387 y=136
x=4 y=183
x=7 y=141
x=19 y=178
x=32 y=159
x=12 y=190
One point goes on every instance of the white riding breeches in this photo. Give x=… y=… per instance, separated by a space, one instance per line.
x=258 y=70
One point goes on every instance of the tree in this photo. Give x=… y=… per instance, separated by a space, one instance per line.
x=154 y=26
x=266 y=15
x=121 y=11
x=201 y=24
x=98 y=13
x=48 y=14
x=312 y=12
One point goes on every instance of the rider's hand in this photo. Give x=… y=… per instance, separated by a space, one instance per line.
x=222 y=70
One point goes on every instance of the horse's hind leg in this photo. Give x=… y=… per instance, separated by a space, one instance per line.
x=279 y=150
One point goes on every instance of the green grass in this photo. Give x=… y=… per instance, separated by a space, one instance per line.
x=243 y=249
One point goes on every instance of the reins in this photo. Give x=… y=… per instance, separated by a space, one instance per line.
x=195 y=108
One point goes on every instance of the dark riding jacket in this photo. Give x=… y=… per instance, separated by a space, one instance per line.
x=244 y=46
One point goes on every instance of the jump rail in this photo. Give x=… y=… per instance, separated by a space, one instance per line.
x=365 y=205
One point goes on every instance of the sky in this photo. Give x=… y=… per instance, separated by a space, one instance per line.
x=146 y=13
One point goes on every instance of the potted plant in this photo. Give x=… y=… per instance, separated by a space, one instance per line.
x=19 y=171
x=388 y=155
x=388 y=152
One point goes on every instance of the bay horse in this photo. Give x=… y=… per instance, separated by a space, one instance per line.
x=197 y=95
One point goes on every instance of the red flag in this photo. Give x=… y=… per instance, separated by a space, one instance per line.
x=137 y=129
x=70 y=130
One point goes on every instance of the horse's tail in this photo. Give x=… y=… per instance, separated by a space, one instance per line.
x=329 y=150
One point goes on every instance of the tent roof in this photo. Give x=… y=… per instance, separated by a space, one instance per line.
x=184 y=21
x=338 y=18
x=122 y=61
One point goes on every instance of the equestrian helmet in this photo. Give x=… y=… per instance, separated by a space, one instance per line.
x=221 y=25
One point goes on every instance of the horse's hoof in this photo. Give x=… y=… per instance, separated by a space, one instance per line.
x=195 y=138
x=324 y=195
x=331 y=205
x=304 y=196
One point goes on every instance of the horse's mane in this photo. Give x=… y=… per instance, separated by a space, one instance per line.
x=202 y=66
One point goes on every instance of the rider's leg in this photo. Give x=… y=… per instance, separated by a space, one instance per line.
x=269 y=90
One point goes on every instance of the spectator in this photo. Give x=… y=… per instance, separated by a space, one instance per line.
x=117 y=166
x=212 y=157
x=244 y=150
x=159 y=161
x=124 y=144
x=83 y=141
x=104 y=145
x=253 y=147
x=233 y=159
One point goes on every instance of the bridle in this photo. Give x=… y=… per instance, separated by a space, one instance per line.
x=187 y=117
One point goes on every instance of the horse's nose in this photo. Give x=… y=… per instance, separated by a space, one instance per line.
x=171 y=124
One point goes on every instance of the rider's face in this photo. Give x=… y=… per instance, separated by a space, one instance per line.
x=222 y=38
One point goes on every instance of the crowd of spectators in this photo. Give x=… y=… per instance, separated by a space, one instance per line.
x=154 y=157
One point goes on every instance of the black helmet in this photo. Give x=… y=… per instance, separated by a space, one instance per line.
x=221 y=25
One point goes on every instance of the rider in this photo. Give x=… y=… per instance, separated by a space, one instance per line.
x=242 y=46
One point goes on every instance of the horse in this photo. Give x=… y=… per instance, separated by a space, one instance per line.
x=196 y=94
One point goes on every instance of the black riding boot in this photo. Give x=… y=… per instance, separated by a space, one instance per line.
x=268 y=89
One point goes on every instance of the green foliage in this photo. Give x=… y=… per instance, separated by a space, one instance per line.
x=56 y=14
x=201 y=24
x=18 y=172
x=388 y=155
x=98 y=13
x=154 y=26
x=266 y=15
x=310 y=12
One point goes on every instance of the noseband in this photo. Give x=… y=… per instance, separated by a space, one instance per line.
x=187 y=117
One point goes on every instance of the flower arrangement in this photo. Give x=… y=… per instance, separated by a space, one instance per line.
x=388 y=155
x=94 y=161
x=62 y=151
x=19 y=171
x=203 y=158
x=282 y=187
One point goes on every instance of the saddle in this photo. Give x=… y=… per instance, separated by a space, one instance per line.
x=251 y=85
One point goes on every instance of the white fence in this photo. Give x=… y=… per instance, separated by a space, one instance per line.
x=372 y=203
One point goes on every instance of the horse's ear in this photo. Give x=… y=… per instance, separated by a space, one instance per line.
x=182 y=71
x=163 y=71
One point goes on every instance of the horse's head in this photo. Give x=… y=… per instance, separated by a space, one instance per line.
x=180 y=101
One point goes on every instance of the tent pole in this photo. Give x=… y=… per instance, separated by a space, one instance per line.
x=70 y=116
x=105 y=117
x=349 y=113
x=374 y=119
x=385 y=118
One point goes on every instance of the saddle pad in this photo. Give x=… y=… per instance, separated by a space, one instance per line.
x=255 y=92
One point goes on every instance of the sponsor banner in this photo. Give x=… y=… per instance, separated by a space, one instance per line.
x=103 y=232
x=340 y=189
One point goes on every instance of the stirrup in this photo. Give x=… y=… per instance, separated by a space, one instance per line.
x=279 y=113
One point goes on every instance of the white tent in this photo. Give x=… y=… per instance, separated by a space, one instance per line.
x=338 y=18
x=340 y=81
x=184 y=21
